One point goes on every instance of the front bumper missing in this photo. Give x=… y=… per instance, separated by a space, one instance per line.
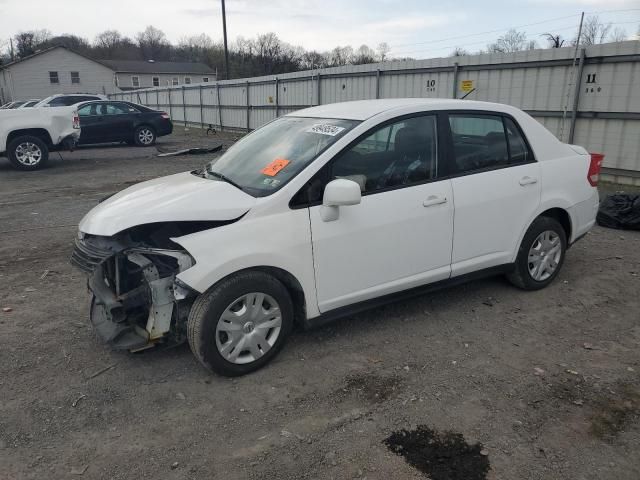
x=136 y=312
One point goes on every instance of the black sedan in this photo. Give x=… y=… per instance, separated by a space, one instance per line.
x=107 y=121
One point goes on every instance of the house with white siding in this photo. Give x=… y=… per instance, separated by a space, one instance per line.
x=134 y=74
x=54 y=70
x=61 y=70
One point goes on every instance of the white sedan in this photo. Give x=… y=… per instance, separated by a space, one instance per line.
x=327 y=211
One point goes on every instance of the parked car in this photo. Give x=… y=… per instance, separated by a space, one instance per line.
x=30 y=103
x=26 y=136
x=118 y=121
x=327 y=211
x=66 y=100
x=13 y=105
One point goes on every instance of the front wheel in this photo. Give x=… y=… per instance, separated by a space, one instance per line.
x=28 y=153
x=240 y=324
x=144 y=136
x=541 y=254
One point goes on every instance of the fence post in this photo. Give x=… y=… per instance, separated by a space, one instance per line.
x=277 y=98
x=201 y=106
x=318 y=88
x=184 y=108
x=378 y=83
x=576 y=95
x=157 y=99
x=219 y=108
x=454 y=94
x=248 y=107
x=170 y=109
x=146 y=98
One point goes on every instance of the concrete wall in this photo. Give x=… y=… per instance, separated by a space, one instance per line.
x=546 y=83
x=30 y=79
x=146 y=79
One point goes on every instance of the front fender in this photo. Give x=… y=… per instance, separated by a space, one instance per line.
x=281 y=240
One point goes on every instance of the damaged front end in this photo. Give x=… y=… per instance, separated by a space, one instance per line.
x=137 y=301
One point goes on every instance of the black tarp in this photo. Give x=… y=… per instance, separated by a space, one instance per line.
x=620 y=210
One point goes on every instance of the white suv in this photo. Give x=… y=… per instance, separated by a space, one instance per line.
x=68 y=99
x=328 y=211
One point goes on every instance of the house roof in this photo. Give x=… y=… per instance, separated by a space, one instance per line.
x=132 y=66
x=47 y=50
x=145 y=66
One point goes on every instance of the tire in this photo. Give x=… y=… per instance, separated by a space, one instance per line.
x=215 y=341
x=28 y=153
x=144 y=136
x=537 y=271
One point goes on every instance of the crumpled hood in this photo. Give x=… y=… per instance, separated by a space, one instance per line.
x=180 y=197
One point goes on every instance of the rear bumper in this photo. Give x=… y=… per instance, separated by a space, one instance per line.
x=583 y=216
x=165 y=129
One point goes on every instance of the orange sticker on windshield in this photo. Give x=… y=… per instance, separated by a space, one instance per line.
x=274 y=167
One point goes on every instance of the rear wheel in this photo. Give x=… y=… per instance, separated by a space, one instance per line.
x=144 y=136
x=28 y=153
x=240 y=324
x=541 y=254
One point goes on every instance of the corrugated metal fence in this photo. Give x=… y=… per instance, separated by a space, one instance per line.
x=602 y=114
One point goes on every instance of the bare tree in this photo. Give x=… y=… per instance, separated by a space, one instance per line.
x=618 y=35
x=153 y=43
x=74 y=42
x=110 y=44
x=364 y=54
x=512 y=41
x=27 y=43
x=340 y=56
x=459 y=52
x=594 y=31
x=312 y=60
x=383 y=51
x=555 y=41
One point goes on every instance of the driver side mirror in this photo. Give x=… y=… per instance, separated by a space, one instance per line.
x=339 y=193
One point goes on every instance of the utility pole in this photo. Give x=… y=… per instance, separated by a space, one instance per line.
x=571 y=77
x=11 y=49
x=226 y=50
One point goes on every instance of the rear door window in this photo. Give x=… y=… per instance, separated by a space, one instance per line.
x=479 y=142
x=486 y=142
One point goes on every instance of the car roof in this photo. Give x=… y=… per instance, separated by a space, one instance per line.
x=363 y=109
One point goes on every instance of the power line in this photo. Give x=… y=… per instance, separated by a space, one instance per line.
x=513 y=27
x=408 y=52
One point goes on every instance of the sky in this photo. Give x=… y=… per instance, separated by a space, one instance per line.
x=419 y=29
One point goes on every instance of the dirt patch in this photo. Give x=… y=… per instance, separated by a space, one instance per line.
x=442 y=456
x=369 y=386
x=614 y=413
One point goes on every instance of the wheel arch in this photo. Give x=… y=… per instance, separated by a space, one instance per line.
x=291 y=283
x=40 y=133
x=558 y=210
x=563 y=218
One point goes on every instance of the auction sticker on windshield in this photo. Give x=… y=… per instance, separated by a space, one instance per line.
x=325 y=129
x=274 y=167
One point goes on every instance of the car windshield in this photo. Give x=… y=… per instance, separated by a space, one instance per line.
x=265 y=160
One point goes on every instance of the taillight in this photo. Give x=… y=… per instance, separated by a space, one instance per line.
x=594 y=168
x=76 y=120
x=165 y=115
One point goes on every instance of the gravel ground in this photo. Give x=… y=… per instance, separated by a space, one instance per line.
x=540 y=384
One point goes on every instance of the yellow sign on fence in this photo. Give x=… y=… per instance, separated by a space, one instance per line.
x=467 y=85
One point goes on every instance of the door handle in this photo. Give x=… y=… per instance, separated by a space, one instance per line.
x=528 y=181
x=434 y=200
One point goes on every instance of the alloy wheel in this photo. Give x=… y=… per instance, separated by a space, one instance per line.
x=28 y=154
x=145 y=136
